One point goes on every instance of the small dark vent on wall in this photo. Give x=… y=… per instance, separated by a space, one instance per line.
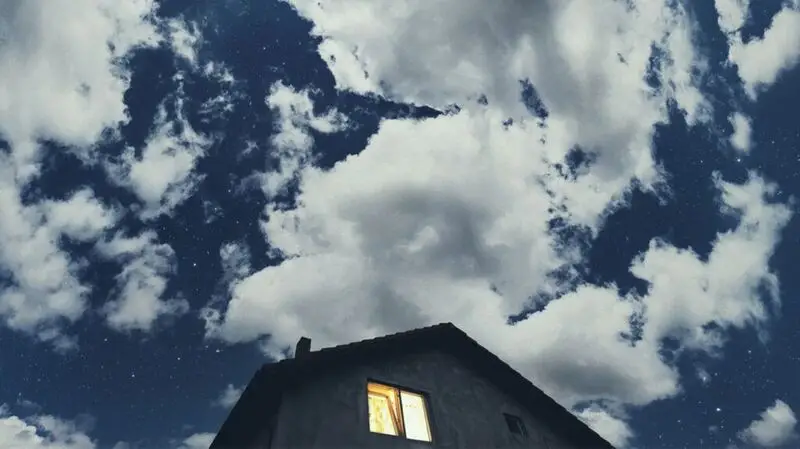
x=515 y=425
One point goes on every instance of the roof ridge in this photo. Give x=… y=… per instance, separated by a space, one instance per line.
x=445 y=336
x=383 y=337
x=367 y=341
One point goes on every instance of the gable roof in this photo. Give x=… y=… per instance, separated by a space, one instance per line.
x=261 y=398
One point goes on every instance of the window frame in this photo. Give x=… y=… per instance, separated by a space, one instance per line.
x=400 y=388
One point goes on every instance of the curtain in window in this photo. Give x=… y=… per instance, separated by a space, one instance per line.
x=383 y=418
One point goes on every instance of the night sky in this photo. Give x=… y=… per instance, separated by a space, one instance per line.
x=287 y=199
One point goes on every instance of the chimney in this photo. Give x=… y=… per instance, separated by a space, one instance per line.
x=303 y=347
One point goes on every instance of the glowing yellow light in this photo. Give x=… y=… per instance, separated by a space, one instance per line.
x=415 y=417
x=384 y=410
x=396 y=412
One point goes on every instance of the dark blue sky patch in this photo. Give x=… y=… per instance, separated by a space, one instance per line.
x=636 y=332
x=743 y=379
x=364 y=116
x=152 y=82
x=777 y=134
x=5 y=149
x=626 y=234
x=655 y=65
x=761 y=14
x=63 y=173
x=532 y=100
x=691 y=214
x=576 y=162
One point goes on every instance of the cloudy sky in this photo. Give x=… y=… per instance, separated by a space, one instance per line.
x=602 y=193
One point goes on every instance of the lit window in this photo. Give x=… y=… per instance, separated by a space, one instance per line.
x=397 y=412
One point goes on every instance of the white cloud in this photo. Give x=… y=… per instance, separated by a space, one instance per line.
x=141 y=283
x=197 y=441
x=217 y=107
x=163 y=176
x=41 y=432
x=585 y=359
x=229 y=396
x=222 y=104
x=614 y=429
x=349 y=72
x=742 y=131
x=218 y=71
x=50 y=432
x=775 y=426
x=201 y=440
x=63 y=78
x=397 y=202
x=185 y=39
x=235 y=258
x=762 y=60
x=446 y=220
x=687 y=293
x=292 y=142
x=588 y=61
x=81 y=217
x=60 y=72
x=45 y=292
x=685 y=296
x=732 y=15
x=703 y=375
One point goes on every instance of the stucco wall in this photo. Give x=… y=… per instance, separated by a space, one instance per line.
x=466 y=411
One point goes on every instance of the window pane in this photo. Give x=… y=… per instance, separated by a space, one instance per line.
x=384 y=410
x=415 y=416
x=380 y=419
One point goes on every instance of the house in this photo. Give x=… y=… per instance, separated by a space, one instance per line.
x=433 y=387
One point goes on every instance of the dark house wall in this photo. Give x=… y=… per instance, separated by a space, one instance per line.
x=465 y=410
